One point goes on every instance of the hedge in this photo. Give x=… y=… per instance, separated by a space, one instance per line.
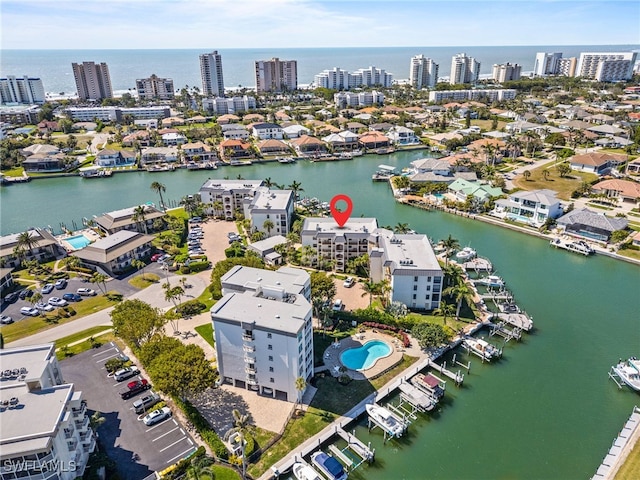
x=389 y=328
x=203 y=427
x=183 y=465
x=191 y=308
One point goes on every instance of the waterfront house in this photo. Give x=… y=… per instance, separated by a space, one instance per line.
x=40 y=149
x=596 y=162
x=141 y=137
x=410 y=266
x=431 y=170
x=169 y=139
x=153 y=155
x=198 y=152
x=115 y=158
x=114 y=253
x=400 y=135
x=46 y=431
x=45 y=247
x=275 y=206
x=225 y=197
x=265 y=249
x=373 y=139
x=295 y=131
x=342 y=141
x=263 y=330
x=234 y=148
x=307 y=144
x=481 y=192
x=265 y=131
x=615 y=189
x=590 y=225
x=272 y=147
x=532 y=207
x=6 y=279
x=129 y=219
x=47 y=163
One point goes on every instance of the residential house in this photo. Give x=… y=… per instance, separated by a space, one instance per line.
x=44 y=247
x=234 y=131
x=198 y=152
x=47 y=163
x=115 y=158
x=169 y=139
x=227 y=118
x=307 y=144
x=295 y=131
x=272 y=147
x=633 y=167
x=265 y=249
x=356 y=127
x=47 y=126
x=141 y=137
x=400 y=135
x=234 y=148
x=153 y=155
x=625 y=190
x=342 y=141
x=374 y=140
x=131 y=218
x=587 y=224
x=113 y=254
x=532 y=207
x=596 y=162
x=265 y=131
x=481 y=192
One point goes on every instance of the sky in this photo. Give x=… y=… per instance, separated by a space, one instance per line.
x=130 y=24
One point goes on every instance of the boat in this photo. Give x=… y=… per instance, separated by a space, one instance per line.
x=509 y=307
x=305 y=472
x=467 y=253
x=356 y=153
x=481 y=347
x=94 y=172
x=329 y=466
x=629 y=372
x=386 y=419
x=161 y=168
x=238 y=163
x=579 y=246
x=286 y=160
x=345 y=156
x=491 y=281
x=429 y=384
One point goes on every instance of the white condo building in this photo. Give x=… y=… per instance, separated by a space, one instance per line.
x=276 y=75
x=492 y=95
x=228 y=105
x=335 y=79
x=231 y=193
x=338 y=79
x=263 y=330
x=211 y=73
x=155 y=87
x=337 y=245
x=92 y=80
x=358 y=99
x=44 y=423
x=606 y=66
x=116 y=114
x=275 y=206
x=464 y=69
x=567 y=66
x=506 y=72
x=546 y=64
x=25 y=90
x=423 y=72
x=410 y=266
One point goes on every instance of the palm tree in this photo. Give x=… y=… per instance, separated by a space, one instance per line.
x=189 y=204
x=545 y=174
x=526 y=174
x=489 y=151
x=159 y=188
x=138 y=265
x=35 y=298
x=450 y=244
x=460 y=292
x=295 y=187
x=101 y=281
x=72 y=262
x=268 y=183
x=217 y=208
x=446 y=310
x=139 y=217
x=268 y=226
x=453 y=274
x=371 y=288
x=301 y=385
x=401 y=227
x=26 y=241
x=240 y=421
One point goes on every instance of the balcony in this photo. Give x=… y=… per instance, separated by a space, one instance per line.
x=250 y=359
x=247 y=338
x=252 y=381
x=82 y=423
x=250 y=370
x=80 y=411
x=68 y=434
x=72 y=445
x=86 y=437
x=248 y=348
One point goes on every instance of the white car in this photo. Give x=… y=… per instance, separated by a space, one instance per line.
x=337 y=305
x=57 y=302
x=125 y=373
x=348 y=283
x=5 y=319
x=29 y=311
x=86 y=292
x=44 y=307
x=157 y=416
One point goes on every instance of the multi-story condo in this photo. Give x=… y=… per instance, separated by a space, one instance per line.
x=45 y=427
x=154 y=87
x=335 y=79
x=423 y=72
x=44 y=247
x=275 y=206
x=333 y=245
x=92 y=80
x=115 y=114
x=263 y=330
x=464 y=69
x=498 y=94
x=211 y=72
x=228 y=195
x=224 y=106
x=567 y=66
x=606 y=66
x=506 y=72
x=3 y=130
x=276 y=75
x=24 y=90
x=358 y=99
x=338 y=79
x=410 y=266
x=546 y=64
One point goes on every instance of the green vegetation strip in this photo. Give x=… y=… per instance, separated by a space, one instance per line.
x=630 y=470
x=94 y=342
x=144 y=280
x=76 y=337
x=206 y=332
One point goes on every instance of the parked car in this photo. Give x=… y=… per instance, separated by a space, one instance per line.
x=29 y=311
x=57 y=302
x=60 y=284
x=48 y=288
x=164 y=258
x=86 y=292
x=156 y=256
x=348 y=283
x=195 y=219
x=71 y=297
x=337 y=305
x=125 y=373
x=149 y=400
x=12 y=297
x=134 y=388
x=44 y=307
x=5 y=319
x=157 y=416
x=26 y=293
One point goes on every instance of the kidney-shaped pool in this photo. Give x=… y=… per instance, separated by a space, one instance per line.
x=365 y=356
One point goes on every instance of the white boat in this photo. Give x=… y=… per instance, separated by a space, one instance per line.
x=430 y=384
x=481 y=347
x=386 y=419
x=467 y=253
x=491 y=281
x=329 y=466
x=629 y=372
x=356 y=153
x=304 y=472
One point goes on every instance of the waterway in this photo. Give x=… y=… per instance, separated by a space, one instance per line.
x=546 y=410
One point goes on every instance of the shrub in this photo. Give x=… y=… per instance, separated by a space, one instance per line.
x=204 y=429
x=191 y=308
x=199 y=266
x=113 y=364
x=183 y=465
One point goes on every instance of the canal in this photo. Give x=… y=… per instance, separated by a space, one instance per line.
x=546 y=410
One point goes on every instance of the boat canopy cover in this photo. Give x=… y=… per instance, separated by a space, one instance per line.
x=388 y=168
x=332 y=465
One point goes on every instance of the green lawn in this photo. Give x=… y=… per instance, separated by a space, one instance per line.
x=486 y=124
x=89 y=332
x=630 y=469
x=144 y=280
x=206 y=332
x=563 y=185
x=98 y=341
x=337 y=398
x=223 y=473
x=13 y=172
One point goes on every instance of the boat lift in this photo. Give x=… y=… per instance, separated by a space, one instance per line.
x=501 y=330
x=365 y=452
x=388 y=434
x=482 y=357
x=417 y=399
x=616 y=378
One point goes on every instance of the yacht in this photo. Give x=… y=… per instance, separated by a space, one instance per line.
x=467 y=253
x=386 y=419
x=481 y=347
x=329 y=466
x=491 y=281
x=629 y=372
x=305 y=472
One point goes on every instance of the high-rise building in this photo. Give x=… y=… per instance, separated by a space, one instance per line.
x=567 y=66
x=547 y=64
x=506 y=72
x=24 y=90
x=211 y=72
x=338 y=79
x=464 y=69
x=92 y=80
x=606 y=66
x=155 y=87
x=423 y=72
x=276 y=75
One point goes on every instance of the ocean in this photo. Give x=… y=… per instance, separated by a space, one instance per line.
x=183 y=66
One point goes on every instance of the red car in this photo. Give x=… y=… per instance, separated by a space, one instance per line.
x=134 y=388
x=156 y=256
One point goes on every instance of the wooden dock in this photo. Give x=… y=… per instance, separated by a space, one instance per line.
x=478 y=265
x=502 y=331
x=519 y=320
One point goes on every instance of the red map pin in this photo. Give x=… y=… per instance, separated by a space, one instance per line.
x=341 y=217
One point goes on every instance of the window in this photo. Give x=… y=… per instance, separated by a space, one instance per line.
x=427 y=297
x=415 y=279
x=414 y=296
x=269 y=347
x=272 y=380
x=271 y=358
x=268 y=335
x=271 y=369
x=415 y=287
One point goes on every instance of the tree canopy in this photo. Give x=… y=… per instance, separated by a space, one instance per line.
x=136 y=322
x=430 y=335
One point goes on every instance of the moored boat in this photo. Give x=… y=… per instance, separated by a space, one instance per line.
x=305 y=472
x=481 y=347
x=386 y=419
x=430 y=384
x=491 y=281
x=467 y=253
x=628 y=371
x=329 y=466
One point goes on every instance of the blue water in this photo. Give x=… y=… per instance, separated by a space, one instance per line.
x=365 y=356
x=125 y=66
x=78 y=241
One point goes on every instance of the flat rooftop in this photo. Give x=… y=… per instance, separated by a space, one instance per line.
x=329 y=225
x=291 y=280
x=410 y=252
x=33 y=359
x=216 y=184
x=266 y=199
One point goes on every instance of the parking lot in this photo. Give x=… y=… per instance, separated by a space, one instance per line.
x=123 y=434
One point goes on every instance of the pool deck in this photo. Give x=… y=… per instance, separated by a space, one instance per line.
x=332 y=354
x=87 y=232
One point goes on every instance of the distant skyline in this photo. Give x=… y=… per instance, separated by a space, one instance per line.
x=224 y=24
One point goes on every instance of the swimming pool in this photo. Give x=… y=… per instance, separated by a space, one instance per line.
x=78 y=241
x=366 y=356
